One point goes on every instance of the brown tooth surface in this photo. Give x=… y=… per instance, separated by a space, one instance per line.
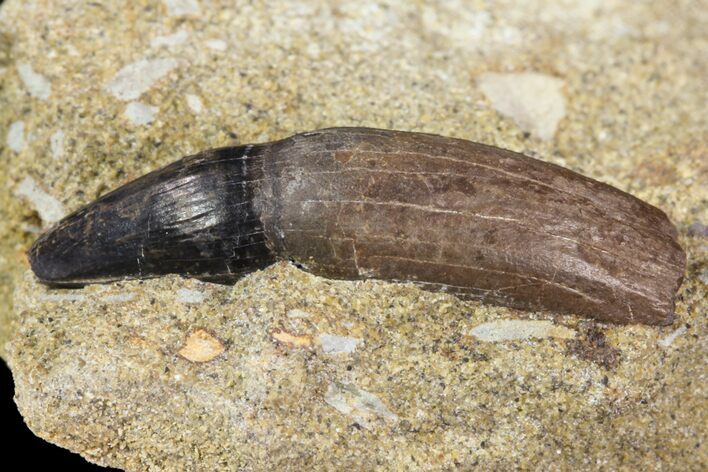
x=478 y=221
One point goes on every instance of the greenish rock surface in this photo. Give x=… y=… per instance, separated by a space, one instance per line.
x=287 y=370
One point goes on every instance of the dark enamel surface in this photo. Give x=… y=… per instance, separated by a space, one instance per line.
x=193 y=217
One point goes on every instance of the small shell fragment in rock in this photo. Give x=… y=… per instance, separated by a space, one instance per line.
x=358 y=404
x=507 y=330
x=333 y=344
x=296 y=313
x=37 y=85
x=186 y=295
x=49 y=208
x=669 y=340
x=118 y=297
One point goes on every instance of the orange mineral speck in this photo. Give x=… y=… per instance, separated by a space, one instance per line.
x=292 y=340
x=201 y=346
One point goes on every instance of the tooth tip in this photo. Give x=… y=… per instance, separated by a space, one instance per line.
x=44 y=271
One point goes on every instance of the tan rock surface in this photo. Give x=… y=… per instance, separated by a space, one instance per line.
x=99 y=370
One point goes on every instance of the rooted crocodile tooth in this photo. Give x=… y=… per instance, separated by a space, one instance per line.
x=354 y=203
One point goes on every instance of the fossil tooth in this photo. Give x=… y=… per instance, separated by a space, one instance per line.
x=446 y=214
